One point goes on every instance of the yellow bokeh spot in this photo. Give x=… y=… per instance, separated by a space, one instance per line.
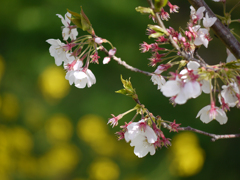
x=53 y=83
x=92 y=128
x=59 y=128
x=104 y=169
x=20 y=140
x=59 y=161
x=186 y=154
x=9 y=106
x=2 y=67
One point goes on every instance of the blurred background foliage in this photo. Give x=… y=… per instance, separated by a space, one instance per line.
x=52 y=131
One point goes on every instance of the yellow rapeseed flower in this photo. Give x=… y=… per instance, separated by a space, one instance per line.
x=104 y=169
x=59 y=128
x=186 y=154
x=53 y=84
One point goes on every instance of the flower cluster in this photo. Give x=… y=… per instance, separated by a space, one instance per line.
x=197 y=77
x=144 y=138
x=72 y=54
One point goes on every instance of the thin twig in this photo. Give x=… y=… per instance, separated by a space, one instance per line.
x=127 y=66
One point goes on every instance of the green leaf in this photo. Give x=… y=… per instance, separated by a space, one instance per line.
x=128 y=89
x=81 y=21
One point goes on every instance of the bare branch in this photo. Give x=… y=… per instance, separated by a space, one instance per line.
x=213 y=136
x=123 y=63
x=220 y=30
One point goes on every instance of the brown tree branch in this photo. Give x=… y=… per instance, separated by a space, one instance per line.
x=213 y=136
x=123 y=63
x=188 y=128
x=220 y=30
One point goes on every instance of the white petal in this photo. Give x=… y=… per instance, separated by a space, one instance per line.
x=206 y=86
x=193 y=65
x=171 y=88
x=181 y=98
x=221 y=116
x=150 y=134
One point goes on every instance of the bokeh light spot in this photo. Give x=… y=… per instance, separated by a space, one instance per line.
x=20 y=140
x=59 y=128
x=9 y=106
x=59 y=161
x=186 y=154
x=104 y=169
x=53 y=84
x=92 y=128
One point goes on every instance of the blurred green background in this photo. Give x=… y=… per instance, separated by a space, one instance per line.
x=52 y=131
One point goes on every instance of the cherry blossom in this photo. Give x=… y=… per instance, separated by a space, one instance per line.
x=202 y=37
x=197 y=15
x=71 y=68
x=57 y=51
x=208 y=21
x=83 y=78
x=142 y=137
x=157 y=79
x=229 y=93
x=210 y=112
x=68 y=31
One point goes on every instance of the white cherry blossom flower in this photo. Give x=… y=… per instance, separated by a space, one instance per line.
x=175 y=88
x=208 y=21
x=229 y=94
x=210 y=112
x=57 y=51
x=83 y=78
x=142 y=137
x=142 y=146
x=205 y=84
x=157 y=79
x=202 y=37
x=71 y=68
x=197 y=15
x=68 y=31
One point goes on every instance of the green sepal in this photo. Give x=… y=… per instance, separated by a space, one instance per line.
x=76 y=19
x=159 y=4
x=86 y=25
x=145 y=10
x=81 y=21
